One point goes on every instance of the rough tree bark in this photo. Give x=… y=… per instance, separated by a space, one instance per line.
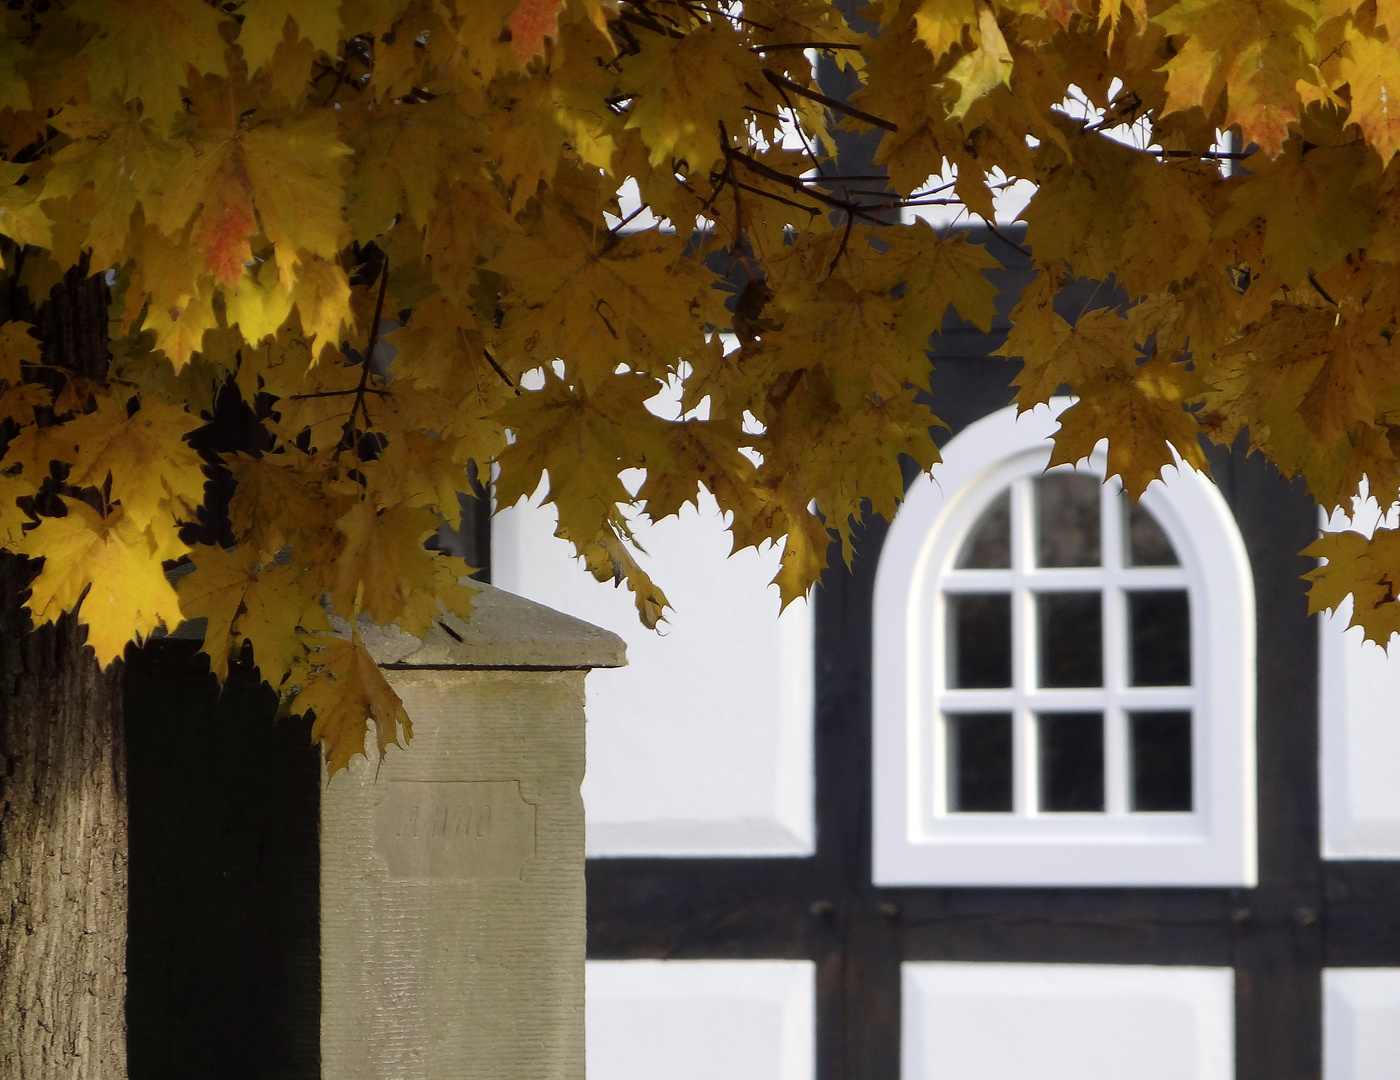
x=63 y=836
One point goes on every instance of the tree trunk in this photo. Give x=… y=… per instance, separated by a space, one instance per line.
x=63 y=839
x=62 y=853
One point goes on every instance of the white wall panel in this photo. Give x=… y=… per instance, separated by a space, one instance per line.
x=1359 y=689
x=701 y=1020
x=702 y=745
x=1361 y=1023
x=1067 y=1022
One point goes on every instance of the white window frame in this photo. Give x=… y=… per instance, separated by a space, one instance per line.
x=916 y=840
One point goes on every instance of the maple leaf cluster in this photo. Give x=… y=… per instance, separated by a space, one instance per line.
x=364 y=227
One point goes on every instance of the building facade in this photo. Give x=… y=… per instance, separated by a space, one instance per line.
x=1043 y=785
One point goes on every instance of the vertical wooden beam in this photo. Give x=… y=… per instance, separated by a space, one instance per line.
x=1278 y=938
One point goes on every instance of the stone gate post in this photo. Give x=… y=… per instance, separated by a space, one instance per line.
x=452 y=888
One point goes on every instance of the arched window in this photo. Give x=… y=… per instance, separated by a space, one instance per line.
x=1064 y=682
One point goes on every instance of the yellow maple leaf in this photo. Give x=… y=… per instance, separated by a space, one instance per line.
x=1111 y=13
x=288 y=481
x=637 y=300
x=1364 y=568
x=347 y=693
x=1254 y=54
x=111 y=567
x=22 y=218
x=213 y=591
x=258 y=305
x=983 y=69
x=383 y=567
x=287 y=177
x=13 y=486
x=939 y=273
x=273 y=606
x=1373 y=69
x=1140 y=411
x=145 y=49
x=296 y=171
x=114 y=164
x=153 y=469
x=322 y=298
x=1099 y=340
x=804 y=555
x=1313 y=206
x=583 y=439
x=18 y=348
x=281 y=610
x=939 y=24
x=264 y=22
x=685 y=87
x=425 y=471
x=528 y=141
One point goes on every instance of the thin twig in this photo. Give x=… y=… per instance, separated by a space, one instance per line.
x=991 y=227
x=1312 y=279
x=797 y=126
x=1204 y=155
x=795 y=184
x=845 y=238
x=736 y=247
x=828 y=46
x=926 y=191
x=341 y=393
x=811 y=211
x=830 y=102
x=348 y=432
x=623 y=222
x=843 y=178
x=649 y=23
x=499 y=370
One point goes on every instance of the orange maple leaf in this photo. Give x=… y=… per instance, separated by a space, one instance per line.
x=530 y=23
x=1061 y=10
x=224 y=229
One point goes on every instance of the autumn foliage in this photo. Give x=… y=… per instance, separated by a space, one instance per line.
x=370 y=224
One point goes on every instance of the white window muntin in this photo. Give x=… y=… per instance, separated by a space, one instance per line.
x=1025 y=700
x=916 y=840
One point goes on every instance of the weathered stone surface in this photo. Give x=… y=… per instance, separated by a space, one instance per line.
x=452 y=888
x=505 y=631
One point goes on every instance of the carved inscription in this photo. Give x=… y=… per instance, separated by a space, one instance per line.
x=454 y=831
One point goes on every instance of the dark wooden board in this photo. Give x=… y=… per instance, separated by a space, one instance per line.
x=224 y=963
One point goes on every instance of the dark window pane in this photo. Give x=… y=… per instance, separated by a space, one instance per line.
x=1147 y=542
x=979 y=762
x=988 y=546
x=979 y=640
x=1067 y=520
x=1071 y=638
x=1159 y=639
x=1161 y=760
x=1071 y=761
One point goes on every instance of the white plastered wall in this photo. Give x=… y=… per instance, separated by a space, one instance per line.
x=701 y=1019
x=984 y=1021
x=1359 y=687
x=1360 y=1023
x=702 y=745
